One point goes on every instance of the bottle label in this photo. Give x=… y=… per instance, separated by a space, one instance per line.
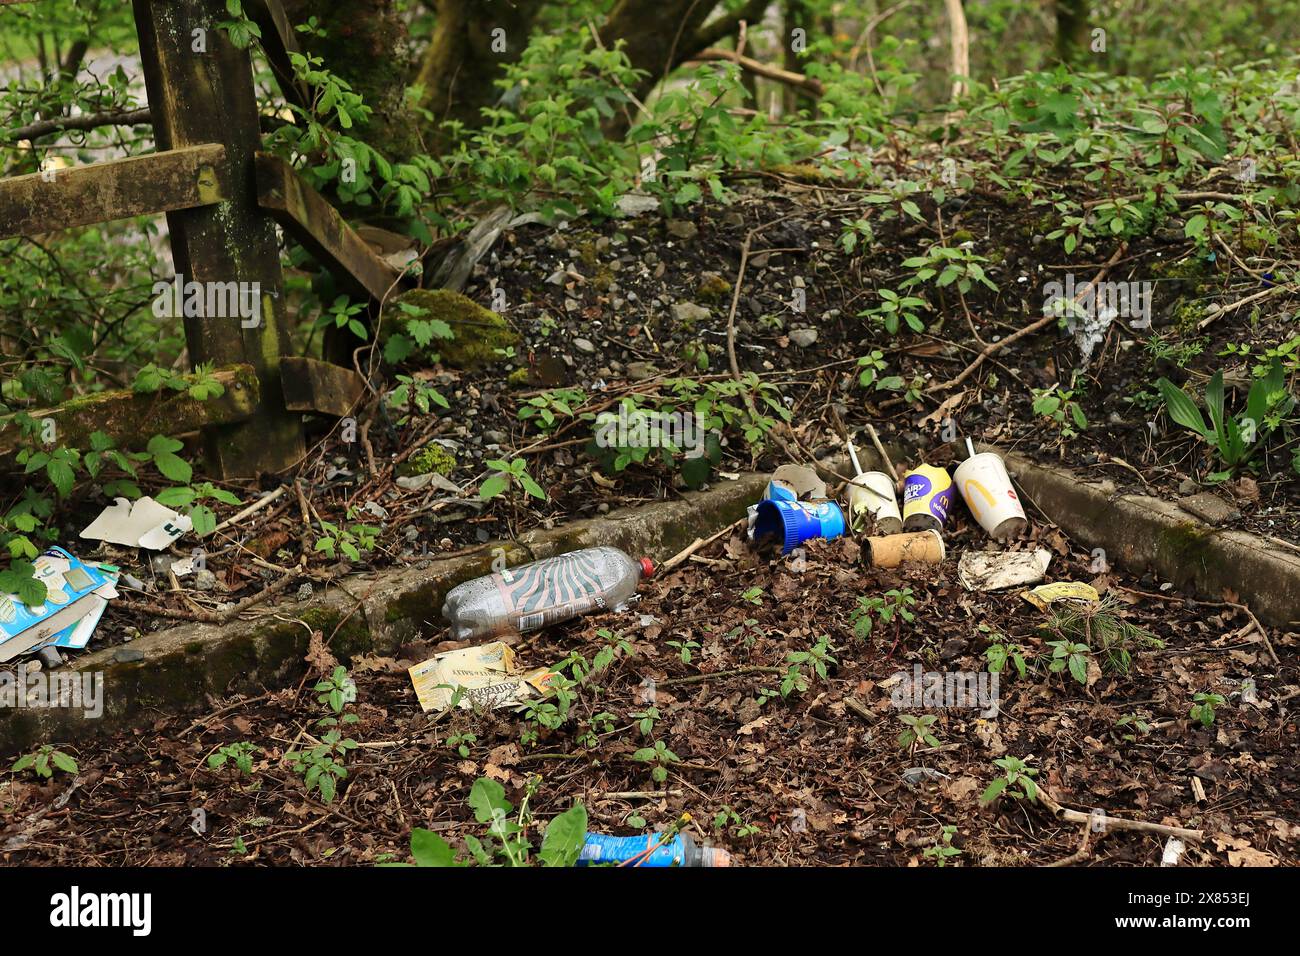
x=553 y=590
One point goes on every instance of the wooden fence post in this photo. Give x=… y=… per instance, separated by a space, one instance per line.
x=201 y=91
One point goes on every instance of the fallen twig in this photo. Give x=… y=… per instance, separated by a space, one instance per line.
x=694 y=546
x=737 y=672
x=1114 y=823
x=1029 y=329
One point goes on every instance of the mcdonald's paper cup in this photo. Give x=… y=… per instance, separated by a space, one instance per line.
x=927 y=493
x=892 y=550
x=871 y=495
x=984 y=485
x=794 y=522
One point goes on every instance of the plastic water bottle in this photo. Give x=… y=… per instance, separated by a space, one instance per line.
x=544 y=592
x=681 y=850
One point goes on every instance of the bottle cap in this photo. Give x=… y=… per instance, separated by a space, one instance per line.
x=647 y=567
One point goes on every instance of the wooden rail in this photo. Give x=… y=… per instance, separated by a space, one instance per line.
x=222 y=199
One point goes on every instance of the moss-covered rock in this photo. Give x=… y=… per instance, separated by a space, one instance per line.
x=431 y=459
x=712 y=287
x=479 y=332
x=1187 y=316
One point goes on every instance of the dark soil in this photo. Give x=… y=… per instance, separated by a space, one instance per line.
x=611 y=286
x=819 y=774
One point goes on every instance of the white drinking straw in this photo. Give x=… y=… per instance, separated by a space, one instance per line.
x=969 y=447
x=853 y=454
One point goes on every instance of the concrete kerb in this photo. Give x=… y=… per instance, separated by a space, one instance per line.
x=1140 y=532
x=182 y=669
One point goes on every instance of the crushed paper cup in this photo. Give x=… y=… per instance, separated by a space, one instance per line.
x=871 y=496
x=893 y=550
x=795 y=483
x=927 y=496
x=985 y=486
x=993 y=571
x=126 y=523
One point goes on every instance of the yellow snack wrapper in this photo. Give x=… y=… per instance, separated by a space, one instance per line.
x=1043 y=596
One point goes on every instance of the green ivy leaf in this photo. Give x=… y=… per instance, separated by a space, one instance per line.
x=565 y=835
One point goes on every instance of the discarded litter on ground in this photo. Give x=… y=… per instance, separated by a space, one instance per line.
x=1043 y=596
x=995 y=570
x=793 y=522
x=74 y=591
x=542 y=593
x=872 y=498
x=985 y=486
x=140 y=524
x=927 y=496
x=789 y=483
x=487 y=676
x=894 y=550
x=652 y=850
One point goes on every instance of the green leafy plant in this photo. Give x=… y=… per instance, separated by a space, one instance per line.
x=352 y=539
x=413 y=394
x=238 y=755
x=549 y=408
x=917 y=729
x=201 y=385
x=870 y=373
x=646 y=720
x=1235 y=439
x=803 y=666
x=506 y=841
x=1204 y=706
x=896 y=603
x=1070 y=655
x=505 y=474
x=1101 y=628
x=684 y=649
x=894 y=312
x=943 y=850
x=196 y=498
x=44 y=762
x=660 y=759
x=615 y=646
x=1058 y=406
x=461 y=742
x=1137 y=722
x=323 y=765
x=946 y=266
x=417 y=332
x=728 y=819
x=1002 y=652
x=1017 y=781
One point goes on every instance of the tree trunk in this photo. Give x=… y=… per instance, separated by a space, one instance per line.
x=658 y=35
x=365 y=44
x=796 y=15
x=960 y=62
x=473 y=40
x=1072 y=32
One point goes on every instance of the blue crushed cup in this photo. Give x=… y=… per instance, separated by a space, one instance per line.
x=777 y=492
x=795 y=522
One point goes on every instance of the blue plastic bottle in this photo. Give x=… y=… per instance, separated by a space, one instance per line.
x=681 y=850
